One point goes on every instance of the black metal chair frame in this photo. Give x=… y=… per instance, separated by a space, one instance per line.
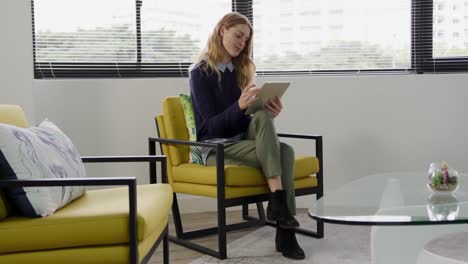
x=130 y=182
x=182 y=238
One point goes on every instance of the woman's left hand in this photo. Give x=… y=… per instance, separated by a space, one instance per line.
x=274 y=106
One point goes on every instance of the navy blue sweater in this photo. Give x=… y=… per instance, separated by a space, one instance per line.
x=215 y=104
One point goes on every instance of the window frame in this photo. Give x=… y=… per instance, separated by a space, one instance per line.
x=422 y=60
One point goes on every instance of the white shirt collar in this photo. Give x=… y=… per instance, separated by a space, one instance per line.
x=222 y=67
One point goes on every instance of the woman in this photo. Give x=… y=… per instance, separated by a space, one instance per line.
x=221 y=88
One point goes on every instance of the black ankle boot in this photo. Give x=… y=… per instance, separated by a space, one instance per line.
x=286 y=243
x=277 y=210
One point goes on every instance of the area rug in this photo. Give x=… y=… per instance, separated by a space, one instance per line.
x=341 y=245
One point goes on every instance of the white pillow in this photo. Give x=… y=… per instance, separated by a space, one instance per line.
x=34 y=153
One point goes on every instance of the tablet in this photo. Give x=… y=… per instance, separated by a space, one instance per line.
x=269 y=90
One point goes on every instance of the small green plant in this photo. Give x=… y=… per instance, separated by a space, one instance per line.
x=437 y=179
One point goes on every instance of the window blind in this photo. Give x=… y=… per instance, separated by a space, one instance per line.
x=152 y=38
x=421 y=32
x=121 y=38
x=68 y=43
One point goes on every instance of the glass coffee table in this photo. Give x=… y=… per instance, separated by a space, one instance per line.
x=403 y=212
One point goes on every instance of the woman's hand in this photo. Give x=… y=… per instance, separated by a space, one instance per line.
x=275 y=106
x=248 y=96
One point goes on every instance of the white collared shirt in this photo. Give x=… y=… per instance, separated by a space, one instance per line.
x=222 y=67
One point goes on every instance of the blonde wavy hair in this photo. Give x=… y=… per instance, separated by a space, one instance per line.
x=214 y=50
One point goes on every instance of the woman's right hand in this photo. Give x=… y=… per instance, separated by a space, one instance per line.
x=248 y=96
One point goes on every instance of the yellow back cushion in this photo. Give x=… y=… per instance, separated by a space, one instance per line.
x=12 y=115
x=174 y=124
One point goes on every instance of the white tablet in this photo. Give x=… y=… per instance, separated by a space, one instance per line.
x=269 y=90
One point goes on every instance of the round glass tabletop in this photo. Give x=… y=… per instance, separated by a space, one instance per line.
x=400 y=198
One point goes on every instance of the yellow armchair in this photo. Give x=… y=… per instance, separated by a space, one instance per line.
x=118 y=225
x=231 y=185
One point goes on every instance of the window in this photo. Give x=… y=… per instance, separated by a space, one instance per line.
x=309 y=28
x=310 y=13
x=335 y=11
x=376 y=37
x=286 y=15
x=67 y=37
x=120 y=38
x=155 y=38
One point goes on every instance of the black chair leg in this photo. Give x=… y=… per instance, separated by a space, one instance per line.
x=183 y=238
x=176 y=216
x=166 y=248
x=260 y=211
x=222 y=242
x=245 y=211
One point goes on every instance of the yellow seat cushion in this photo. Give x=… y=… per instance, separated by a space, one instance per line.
x=100 y=217
x=238 y=175
x=115 y=254
x=236 y=192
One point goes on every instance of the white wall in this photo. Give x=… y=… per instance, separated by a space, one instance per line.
x=16 y=69
x=370 y=124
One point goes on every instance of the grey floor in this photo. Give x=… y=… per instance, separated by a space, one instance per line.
x=181 y=255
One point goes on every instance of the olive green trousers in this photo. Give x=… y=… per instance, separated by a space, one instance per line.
x=261 y=149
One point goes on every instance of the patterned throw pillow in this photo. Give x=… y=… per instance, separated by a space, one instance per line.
x=35 y=153
x=195 y=152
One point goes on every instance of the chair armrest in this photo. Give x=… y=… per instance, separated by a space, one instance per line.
x=183 y=142
x=219 y=157
x=318 y=154
x=303 y=136
x=218 y=146
x=152 y=159
x=129 y=181
x=88 y=181
x=318 y=143
x=94 y=159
